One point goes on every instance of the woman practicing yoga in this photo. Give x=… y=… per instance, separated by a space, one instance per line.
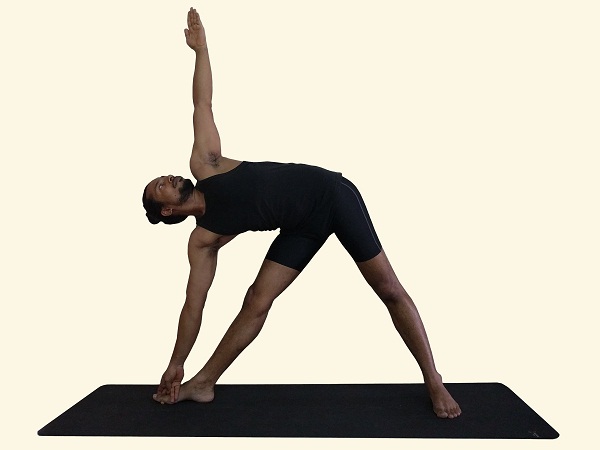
x=306 y=203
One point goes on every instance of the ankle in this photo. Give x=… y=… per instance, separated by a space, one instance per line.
x=203 y=381
x=433 y=381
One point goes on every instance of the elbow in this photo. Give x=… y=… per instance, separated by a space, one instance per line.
x=201 y=103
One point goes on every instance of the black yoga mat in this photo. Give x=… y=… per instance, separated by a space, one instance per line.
x=490 y=410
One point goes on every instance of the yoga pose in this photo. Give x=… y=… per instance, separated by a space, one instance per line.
x=306 y=203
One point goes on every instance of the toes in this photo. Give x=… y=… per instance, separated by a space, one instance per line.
x=447 y=413
x=161 y=399
x=441 y=413
x=454 y=413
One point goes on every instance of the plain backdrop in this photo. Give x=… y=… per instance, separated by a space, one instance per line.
x=471 y=128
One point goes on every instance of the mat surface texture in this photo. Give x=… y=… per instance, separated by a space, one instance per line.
x=490 y=411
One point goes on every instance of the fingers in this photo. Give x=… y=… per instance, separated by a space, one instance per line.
x=193 y=18
x=174 y=392
x=163 y=390
x=169 y=396
x=163 y=393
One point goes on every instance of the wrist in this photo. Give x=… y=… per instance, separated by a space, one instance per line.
x=176 y=362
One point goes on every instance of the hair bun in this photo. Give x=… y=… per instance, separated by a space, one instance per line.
x=152 y=218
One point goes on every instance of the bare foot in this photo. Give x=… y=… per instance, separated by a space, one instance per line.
x=444 y=405
x=191 y=390
x=197 y=391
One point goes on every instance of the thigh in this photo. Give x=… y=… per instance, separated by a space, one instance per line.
x=352 y=224
x=272 y=279
x=293 y=250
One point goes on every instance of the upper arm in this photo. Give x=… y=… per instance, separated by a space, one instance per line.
x=207 y=143
x=203 y=248
x=203 y=264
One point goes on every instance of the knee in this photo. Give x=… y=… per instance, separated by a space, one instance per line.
x=256 y=302
x=389 y=291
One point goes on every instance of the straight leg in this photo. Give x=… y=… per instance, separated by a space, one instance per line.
x=380 y=275
x=271 y=281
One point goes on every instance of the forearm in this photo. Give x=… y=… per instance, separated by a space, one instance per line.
x=190 y=320
x=202 y=88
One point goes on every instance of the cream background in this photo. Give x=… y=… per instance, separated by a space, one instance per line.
x=471 y=128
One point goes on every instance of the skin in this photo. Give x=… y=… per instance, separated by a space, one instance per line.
x=272 y=279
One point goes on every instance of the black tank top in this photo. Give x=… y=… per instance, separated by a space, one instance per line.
x=260 y=196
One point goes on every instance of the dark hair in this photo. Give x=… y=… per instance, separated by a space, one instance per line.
x=153 y=212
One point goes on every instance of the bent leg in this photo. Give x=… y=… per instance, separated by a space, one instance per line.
x=271 y=281
x=380 y=275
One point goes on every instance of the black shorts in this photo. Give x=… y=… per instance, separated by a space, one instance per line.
x=350 y=223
